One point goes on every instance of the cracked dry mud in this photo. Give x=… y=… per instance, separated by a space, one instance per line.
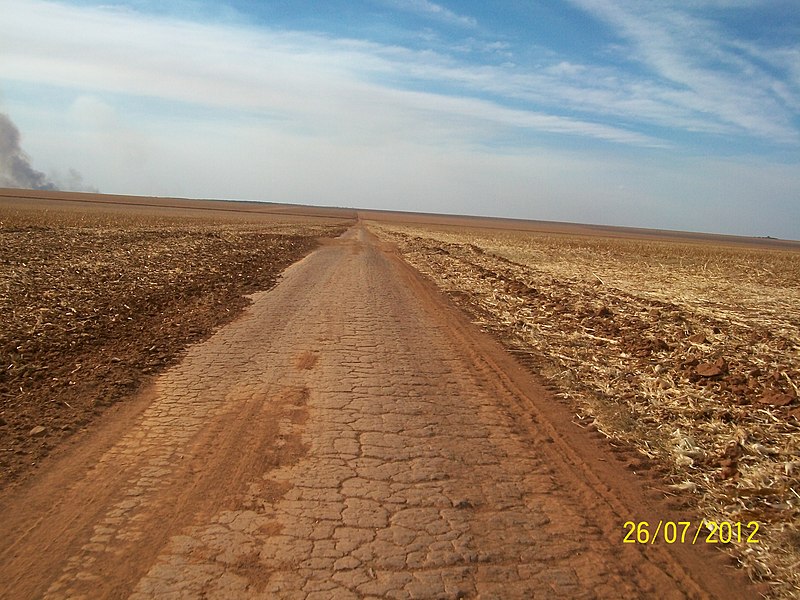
x=351 y=436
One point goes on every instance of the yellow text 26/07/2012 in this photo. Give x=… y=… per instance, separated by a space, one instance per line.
x=683 y=532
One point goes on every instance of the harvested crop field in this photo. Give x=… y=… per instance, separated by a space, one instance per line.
x=687 y=350
x=99 y=294
x=351 y=433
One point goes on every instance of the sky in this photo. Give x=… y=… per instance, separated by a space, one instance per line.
x=681 y=114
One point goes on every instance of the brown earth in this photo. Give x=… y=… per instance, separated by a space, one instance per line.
x=96 y=302
x=685 y=351
x=352 y=435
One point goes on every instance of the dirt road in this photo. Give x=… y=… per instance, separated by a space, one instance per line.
x=351 y=436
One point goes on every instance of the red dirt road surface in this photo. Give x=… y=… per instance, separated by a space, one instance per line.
x=352 y=435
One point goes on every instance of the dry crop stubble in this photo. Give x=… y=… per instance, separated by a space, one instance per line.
x=95 y=300
x=688 y=352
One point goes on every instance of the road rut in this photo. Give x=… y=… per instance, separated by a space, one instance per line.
x=351 y=436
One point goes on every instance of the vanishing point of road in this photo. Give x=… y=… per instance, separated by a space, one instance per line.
x=352 y=435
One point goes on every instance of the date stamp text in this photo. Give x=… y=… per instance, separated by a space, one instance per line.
x=688 y=532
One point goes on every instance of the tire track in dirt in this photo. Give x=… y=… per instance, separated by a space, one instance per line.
x=351 y=436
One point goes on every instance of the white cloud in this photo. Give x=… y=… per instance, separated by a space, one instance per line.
x=433 y=10
x=706 y=75
x=161 y=106
x=310 y=81
x=306 y=81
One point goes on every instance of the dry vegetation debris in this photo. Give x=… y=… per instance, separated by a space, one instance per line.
x=94 y=303
x=688 y=352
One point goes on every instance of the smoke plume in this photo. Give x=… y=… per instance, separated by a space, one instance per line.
x=15 y=167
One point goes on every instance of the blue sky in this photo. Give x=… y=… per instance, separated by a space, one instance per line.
x=677 y=115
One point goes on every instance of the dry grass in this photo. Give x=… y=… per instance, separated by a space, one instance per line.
x=687 y=351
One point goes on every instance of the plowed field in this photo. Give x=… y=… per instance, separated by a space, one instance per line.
x=96 y=299
x=347 y=432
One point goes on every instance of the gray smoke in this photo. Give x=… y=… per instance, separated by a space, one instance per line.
x=71 y=182
x=15 y=167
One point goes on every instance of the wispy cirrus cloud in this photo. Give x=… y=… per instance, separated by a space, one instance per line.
x=432 y=10
x=303 y=81
x=447 y=116
x=694 y=79
x=597 y=93
x=705 y=71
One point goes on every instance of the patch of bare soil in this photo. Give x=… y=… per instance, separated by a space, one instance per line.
x=94 y=304
x=689 y=353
